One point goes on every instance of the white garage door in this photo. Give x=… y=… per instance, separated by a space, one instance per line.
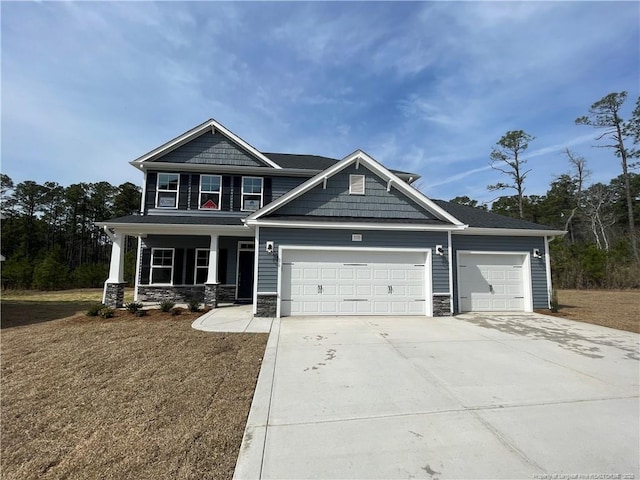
x=353 y=283
x=491 y=282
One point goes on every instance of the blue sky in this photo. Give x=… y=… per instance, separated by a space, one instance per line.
x=422 y=87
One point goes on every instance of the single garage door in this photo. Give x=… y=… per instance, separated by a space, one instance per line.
x=353 y=283
x=491 y=282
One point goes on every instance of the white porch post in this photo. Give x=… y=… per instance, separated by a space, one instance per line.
x=211 y=285
x=212 y=272
x=113 y=294
x=116 y=268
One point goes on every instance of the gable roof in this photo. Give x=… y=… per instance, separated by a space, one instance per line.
x=478 y=218
x=378 y=169
x=210 y=125
x=317 y=162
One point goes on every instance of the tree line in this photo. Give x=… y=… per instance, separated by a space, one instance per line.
x=50 y=240
x=49 y=237
x=601 y=247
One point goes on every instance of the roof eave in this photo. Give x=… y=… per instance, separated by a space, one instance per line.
x=515 y=232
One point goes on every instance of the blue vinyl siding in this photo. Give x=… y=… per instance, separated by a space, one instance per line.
x=212 y=150
x=335 y=200
x=506 y=244
x=282 y=185
x=268 y=264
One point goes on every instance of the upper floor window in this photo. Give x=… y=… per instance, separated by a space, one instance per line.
x=167 y=194
x=356 y=184
x=161 y=266
x=210 y=191
x=251 y=193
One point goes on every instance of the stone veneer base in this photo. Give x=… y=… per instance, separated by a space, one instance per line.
x=441 y=306
x=266 y=306
x=114 y=294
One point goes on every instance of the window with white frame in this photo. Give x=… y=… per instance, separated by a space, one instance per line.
x=356 y=184
x=251 y=193
x=210 y=192
x=161 y=266
x=202 y=266
x=167 y=194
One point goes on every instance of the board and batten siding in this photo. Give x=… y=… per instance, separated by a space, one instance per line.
x=268 y=263
x=335 y=200
x=485 y=243
x=211 y=149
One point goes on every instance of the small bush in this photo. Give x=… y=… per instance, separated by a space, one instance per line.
x=194 y=305
x=176 y=311
x=106 y=312
x=167 y=305
x=140 y=313
x=94 y=310
x=133 y=307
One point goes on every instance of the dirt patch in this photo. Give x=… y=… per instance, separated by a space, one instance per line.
x=119 y=398
x=610 y=308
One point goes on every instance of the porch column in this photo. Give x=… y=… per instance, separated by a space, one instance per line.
x=113 y=295
x=211 y=285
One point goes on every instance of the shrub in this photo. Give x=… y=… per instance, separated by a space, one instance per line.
x=167 y=305
x=194 y=305
x=94 y=310
x=140 y=313
x=176 y=311
x=106 y=312
x=133 y=307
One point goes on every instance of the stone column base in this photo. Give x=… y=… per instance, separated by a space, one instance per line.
x=114 y=295
x=441 y=306
x=211 y=295
x=267 y=306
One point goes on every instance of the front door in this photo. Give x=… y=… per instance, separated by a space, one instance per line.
x=244 y=290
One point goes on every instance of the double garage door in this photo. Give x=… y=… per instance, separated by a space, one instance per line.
x=353 y=283
x=491 y=282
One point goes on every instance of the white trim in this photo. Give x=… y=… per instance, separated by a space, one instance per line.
x=360 y=157
x=238 y=250
x=200 y=192
x=196 y=267
x=356 y=178
x=256 y=256
x=266 y=293
x=428 y=267
x=173 y=261
x=211 y=125
x=352 y=226
x=547 y=261
x=137 y=229
x=177 y=191
x=511 y=232
x=526 y=273
x=144 y=194
x=442 y=294
x=138 y=261
x=450 y=258
x=242 y=194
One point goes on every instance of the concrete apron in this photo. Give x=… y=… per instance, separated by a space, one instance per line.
x=474 y=396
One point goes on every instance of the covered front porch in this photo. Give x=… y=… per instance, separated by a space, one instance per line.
x=206 y=263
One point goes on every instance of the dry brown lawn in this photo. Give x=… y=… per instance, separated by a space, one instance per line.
x=128 y=397
x=611 y=308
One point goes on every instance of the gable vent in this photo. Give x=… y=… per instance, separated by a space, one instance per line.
x=356 y=184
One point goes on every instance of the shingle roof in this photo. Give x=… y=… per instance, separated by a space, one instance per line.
x=312 y=162
x=318 y=218
x=177 y=220
x=474 y=217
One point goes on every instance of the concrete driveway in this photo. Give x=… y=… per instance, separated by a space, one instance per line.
x=474 y=396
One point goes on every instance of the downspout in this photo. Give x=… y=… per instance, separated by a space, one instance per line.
x=547 y=261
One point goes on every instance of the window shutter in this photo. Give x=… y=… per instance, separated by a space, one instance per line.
x=190 y=266
x=267 y=193
x=237 y=193
x=152 y=184
x=183 y=194
x=226 y=193
x=178 y=262
x=195 y=191
x=145 y=267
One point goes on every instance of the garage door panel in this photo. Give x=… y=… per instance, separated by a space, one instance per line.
x=491 y=282
x=360 y=285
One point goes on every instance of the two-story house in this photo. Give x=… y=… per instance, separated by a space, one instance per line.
x=221 y=221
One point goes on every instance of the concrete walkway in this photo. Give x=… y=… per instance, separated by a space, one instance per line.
x=474 y=396
x=232 y=318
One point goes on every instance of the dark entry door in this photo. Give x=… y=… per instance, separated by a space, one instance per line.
x=245 y=274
